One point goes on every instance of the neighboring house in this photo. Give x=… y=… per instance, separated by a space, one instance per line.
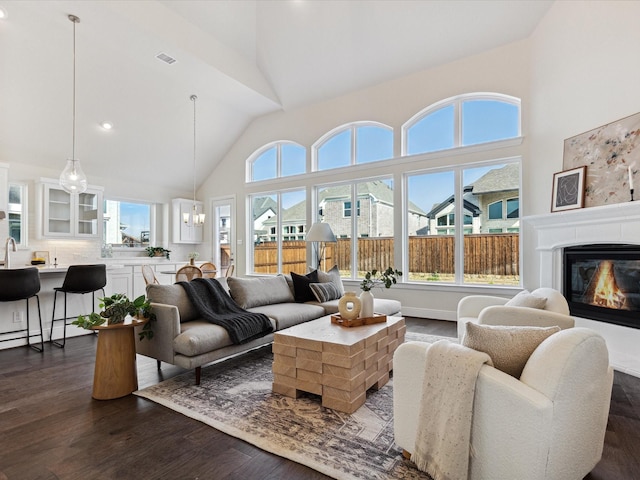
x=491 y=205
x=263 y=209
x=374 y=209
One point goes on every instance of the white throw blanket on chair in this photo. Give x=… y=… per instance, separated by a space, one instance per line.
x=444 y=423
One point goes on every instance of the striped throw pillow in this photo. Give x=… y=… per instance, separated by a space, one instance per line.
x=325 y=291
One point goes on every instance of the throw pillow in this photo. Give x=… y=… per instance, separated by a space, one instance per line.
x=526 y=299
x=255 y=292
x=332 y=276
x=301 y=289
x=508 y=346
x=325 y=291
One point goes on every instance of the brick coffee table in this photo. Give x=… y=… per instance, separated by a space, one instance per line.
x=336 y=362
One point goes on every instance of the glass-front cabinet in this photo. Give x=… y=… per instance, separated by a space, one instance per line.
x=70 y=216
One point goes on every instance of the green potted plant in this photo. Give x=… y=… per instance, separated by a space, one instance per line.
x=375 y=278
x=193 y=257
x=158 y=252
x=116 y=308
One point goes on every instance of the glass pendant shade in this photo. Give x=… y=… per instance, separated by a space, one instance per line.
x=72 y=178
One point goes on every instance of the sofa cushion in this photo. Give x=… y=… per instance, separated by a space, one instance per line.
x=173 y=295
x=526 y=299
x=287 y=315
x=301 y=290
x=333 y=277
x=509 y=347
x=253 y=292
x=199 y=336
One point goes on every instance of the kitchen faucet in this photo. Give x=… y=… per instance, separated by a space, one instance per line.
x=7 y=258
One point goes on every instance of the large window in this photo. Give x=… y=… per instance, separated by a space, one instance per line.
x=127 y=224
x=462 y=121
x=281 y=159
x=491 y=248
x=458 y=207
x=17 y=214
x=354 y=144
x=372 y=225
x=482 y=201
x=278 y=229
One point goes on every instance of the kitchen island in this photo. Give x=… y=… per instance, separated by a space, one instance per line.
x=123 y=276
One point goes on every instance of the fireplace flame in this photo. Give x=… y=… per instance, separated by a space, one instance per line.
x=606 y=292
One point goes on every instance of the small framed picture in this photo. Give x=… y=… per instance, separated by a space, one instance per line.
x=568 y=189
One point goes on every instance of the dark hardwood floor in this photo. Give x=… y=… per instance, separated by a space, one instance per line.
x=51 y=428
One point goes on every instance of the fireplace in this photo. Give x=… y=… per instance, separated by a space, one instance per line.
x=602 y=282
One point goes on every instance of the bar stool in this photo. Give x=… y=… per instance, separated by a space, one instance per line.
x=79 y=279
x=22 y=284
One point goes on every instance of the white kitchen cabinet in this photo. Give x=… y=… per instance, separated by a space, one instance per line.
x=62 y=215
x=185 y=232
x=119 y=280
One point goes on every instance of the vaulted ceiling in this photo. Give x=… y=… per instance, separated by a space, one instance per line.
x=242 y=58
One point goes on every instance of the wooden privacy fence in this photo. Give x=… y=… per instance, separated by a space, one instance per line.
x=484 y=254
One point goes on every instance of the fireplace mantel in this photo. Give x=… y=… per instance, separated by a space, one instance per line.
x=546 y=235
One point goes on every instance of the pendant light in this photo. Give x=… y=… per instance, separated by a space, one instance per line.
x=194 y=218
x=72 y=178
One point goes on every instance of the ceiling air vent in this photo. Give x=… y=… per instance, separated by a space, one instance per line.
x=166 y=58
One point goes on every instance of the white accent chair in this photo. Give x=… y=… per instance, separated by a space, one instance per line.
x=548 y=425
x=489 y=310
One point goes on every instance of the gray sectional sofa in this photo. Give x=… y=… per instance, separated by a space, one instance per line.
x=182 y=338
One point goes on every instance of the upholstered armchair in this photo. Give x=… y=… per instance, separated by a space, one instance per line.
x=490 y=310
x=547 y=425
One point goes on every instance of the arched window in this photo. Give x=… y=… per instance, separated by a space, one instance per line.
x=353 y=144
x=464 y=120
x=278 y=159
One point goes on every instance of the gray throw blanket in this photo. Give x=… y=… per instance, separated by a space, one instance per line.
x=214 y=305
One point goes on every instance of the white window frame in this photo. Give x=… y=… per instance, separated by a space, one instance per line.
x=353 y=128
x=278 y=146
x=457 y=102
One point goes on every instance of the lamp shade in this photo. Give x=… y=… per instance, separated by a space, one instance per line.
x=320 y=232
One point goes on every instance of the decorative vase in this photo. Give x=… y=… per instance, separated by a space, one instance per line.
x=349 y=306
x=366 y=300
x=192 y=261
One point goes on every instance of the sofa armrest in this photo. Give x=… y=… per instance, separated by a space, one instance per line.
x=472 y=305
x=165 y=329
x=524 y=316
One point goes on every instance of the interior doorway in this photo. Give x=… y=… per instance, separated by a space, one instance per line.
x=224 y=234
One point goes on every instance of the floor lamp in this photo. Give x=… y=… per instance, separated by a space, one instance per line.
x=320 y=234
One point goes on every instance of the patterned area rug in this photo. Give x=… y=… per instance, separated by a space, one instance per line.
x=235 y=397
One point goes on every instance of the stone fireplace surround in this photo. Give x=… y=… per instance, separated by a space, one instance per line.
x=544 y=238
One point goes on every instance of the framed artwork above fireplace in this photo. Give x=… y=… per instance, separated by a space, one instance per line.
x=611 y=154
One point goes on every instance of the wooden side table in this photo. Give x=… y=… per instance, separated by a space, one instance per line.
x=115 y=373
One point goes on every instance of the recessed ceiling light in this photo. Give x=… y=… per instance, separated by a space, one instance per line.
x=3 y=13
x=107 y=125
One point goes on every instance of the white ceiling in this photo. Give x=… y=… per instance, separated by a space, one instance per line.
x=242 y=58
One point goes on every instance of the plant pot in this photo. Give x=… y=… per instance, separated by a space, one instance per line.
x=366 y=300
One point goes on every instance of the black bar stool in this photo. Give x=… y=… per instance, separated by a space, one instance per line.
x=22 y=284
x=79 y=279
